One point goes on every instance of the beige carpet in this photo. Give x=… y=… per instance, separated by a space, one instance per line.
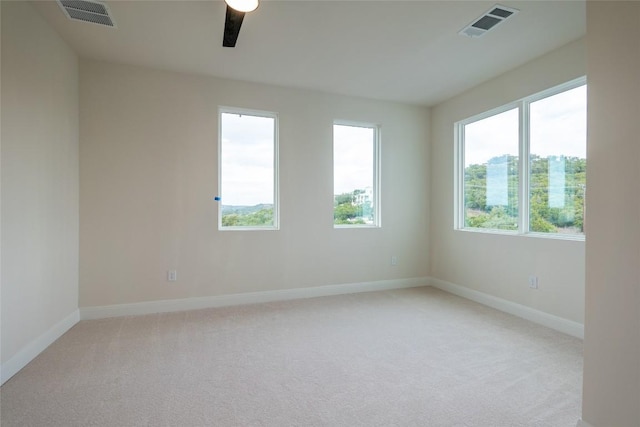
x=415 y=357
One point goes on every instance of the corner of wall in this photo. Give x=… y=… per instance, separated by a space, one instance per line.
x=40 y=187
x=37 y=346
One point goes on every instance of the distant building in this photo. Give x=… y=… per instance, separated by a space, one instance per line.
x=363 y=196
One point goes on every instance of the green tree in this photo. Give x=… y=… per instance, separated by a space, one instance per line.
x=346 y=211
x=260 y=218
x=543 y=217
x=343 y=198
x=497 y=218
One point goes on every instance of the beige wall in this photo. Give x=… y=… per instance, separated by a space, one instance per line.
x=612 y=326
x=149 y=173
x=39 y=218
x=496 y=264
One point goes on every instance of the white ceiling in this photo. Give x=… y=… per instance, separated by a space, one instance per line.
x=405 y=51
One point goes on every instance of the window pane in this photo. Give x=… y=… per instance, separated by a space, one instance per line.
x=247 y=170
x=491 y=172
x=557 y=162
x=354 y=175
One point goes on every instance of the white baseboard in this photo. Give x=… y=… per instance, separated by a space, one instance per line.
x=549 y=320
x=185 y=304
x=583 y=424
x=37 y=346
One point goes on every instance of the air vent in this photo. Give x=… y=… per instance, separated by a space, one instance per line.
x=87 y=11
x=489 y=20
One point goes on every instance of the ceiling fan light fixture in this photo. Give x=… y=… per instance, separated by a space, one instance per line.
x=243 y=5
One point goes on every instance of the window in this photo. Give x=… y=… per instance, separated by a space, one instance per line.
x=491 y=172
x=355 y=175
x=497 y=190
x=248 y=170
x=557 y=162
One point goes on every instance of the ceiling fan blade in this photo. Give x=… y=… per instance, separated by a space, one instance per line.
x=232 y=24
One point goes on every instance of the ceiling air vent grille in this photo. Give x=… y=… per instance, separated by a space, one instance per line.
x=493 y=17
x=87 y=11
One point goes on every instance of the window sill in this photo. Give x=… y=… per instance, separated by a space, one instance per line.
x=248 y=228
x=555 y=236
x=351 y=227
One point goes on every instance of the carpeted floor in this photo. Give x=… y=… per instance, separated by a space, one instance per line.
x=414 y=357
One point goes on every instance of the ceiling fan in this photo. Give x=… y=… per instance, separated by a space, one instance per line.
x=236 y=9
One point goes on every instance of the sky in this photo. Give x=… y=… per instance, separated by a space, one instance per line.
x=482 y=141
x=247 y=151
x=558 y=127
x=352 y=158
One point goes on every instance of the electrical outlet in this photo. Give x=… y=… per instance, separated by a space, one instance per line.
x=172 y=275
x=533 y=282
x=394 y=260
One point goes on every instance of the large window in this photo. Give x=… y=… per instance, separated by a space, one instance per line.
x=355 y=175
x=522 y=168
x=248 y=170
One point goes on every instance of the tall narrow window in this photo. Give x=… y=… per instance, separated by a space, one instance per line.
x=491 y=172
x=248 y=170
x=355 y=175
x=557 y=162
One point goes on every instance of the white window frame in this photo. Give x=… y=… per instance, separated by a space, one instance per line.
x=523 y=106
x=376 y=205
x=276 y=172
